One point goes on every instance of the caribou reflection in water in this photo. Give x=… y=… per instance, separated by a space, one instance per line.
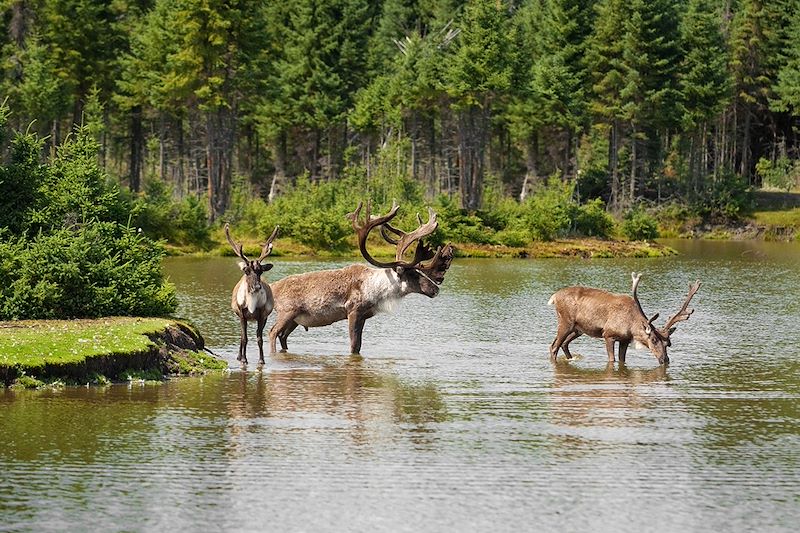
x=613 y=398
x=350 y=394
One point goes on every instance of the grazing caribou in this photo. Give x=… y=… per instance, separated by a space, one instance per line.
x=613 y=317
x=251 y=298
x=358 y=292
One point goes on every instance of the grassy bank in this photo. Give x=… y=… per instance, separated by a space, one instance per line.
x=114 y=348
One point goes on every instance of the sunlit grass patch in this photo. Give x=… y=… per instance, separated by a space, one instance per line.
x=36 y=343
x=786 y=218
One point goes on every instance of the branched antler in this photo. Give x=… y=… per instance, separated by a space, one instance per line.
x=683 y=314
x=237 y=247
x=402 y=242
x=635 y=278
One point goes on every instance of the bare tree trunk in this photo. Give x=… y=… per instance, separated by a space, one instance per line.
x=531 y=164
x=279 y=177
x=613 y=166
x=744 y=169
x=472 y=127
x=137 y=147
x=634 y=162
x=219 y=152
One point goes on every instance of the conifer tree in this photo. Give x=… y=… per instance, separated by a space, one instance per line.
x=479 y=74
x=705 y=82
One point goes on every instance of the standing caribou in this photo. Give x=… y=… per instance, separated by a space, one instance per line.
x=613 y=317
x=251 y=298
x=357 y=292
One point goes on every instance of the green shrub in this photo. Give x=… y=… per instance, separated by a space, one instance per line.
x=75 y=189
x=726 y=198
x=637 y=225
x=548 y=214
x=456 y=225
x=178 y=221
x=592 y=220
x=513 y=237
x=91 y=270
x=782 y=174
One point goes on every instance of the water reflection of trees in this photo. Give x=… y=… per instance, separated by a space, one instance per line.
x=332 y=393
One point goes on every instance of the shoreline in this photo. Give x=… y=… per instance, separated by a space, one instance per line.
x=34 y=353
x=584 y=248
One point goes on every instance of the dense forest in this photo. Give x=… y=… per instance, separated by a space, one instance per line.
x=626 y=103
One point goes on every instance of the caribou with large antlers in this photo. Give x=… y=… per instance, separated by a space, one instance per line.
x=614 y=318
x=358 y=292
x=251 y=298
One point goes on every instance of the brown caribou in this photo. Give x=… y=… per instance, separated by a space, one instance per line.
x=614 y=318
x=251 y=298
x=358 y=292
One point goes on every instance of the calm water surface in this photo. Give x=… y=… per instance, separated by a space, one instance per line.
x=454 y=420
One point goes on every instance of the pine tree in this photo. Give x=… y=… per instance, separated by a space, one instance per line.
x=705 y=82
x=479 y=74
x=315 y=76
x=787 y=88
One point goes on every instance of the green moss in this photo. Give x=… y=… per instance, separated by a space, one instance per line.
x=36 y=343
x=92 y=351
x=151 y=375
x=26 y=382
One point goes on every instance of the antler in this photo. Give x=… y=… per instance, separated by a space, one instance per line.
x=683 y=314
x=237 y=248
x=403 y=242
x=439 y=264
x=267 y=249
x=635 y=278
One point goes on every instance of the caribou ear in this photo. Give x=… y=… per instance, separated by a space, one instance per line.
x=242 y=265
x=266 y=266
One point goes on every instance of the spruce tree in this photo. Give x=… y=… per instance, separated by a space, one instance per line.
x=479 y=73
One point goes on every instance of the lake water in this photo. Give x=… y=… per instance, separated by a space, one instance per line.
x=454 y=419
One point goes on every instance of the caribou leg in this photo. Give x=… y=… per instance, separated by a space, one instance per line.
x=283 y=335
x=565 y=346
x=561 y=336
x=243 y=341
x=262 y=321
x=610 y=349
x=356 y=322
x=623 y=349
x=282 y=322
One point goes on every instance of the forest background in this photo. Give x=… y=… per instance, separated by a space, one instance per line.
x=517 y=120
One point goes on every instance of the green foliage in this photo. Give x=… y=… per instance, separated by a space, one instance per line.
x=76 y=190
x=592 y=220
x=782 y=174
x=727 y=198
x=459 y=226
x=312 y=213
x=63 y=249
x=20 y=182
x=91 y=270
x=549 y=212
x=178 y=221
x=638 y=225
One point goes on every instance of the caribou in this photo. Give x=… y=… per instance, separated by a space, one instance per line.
x=614 y=318
x=358 y=292
x=251 y=298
